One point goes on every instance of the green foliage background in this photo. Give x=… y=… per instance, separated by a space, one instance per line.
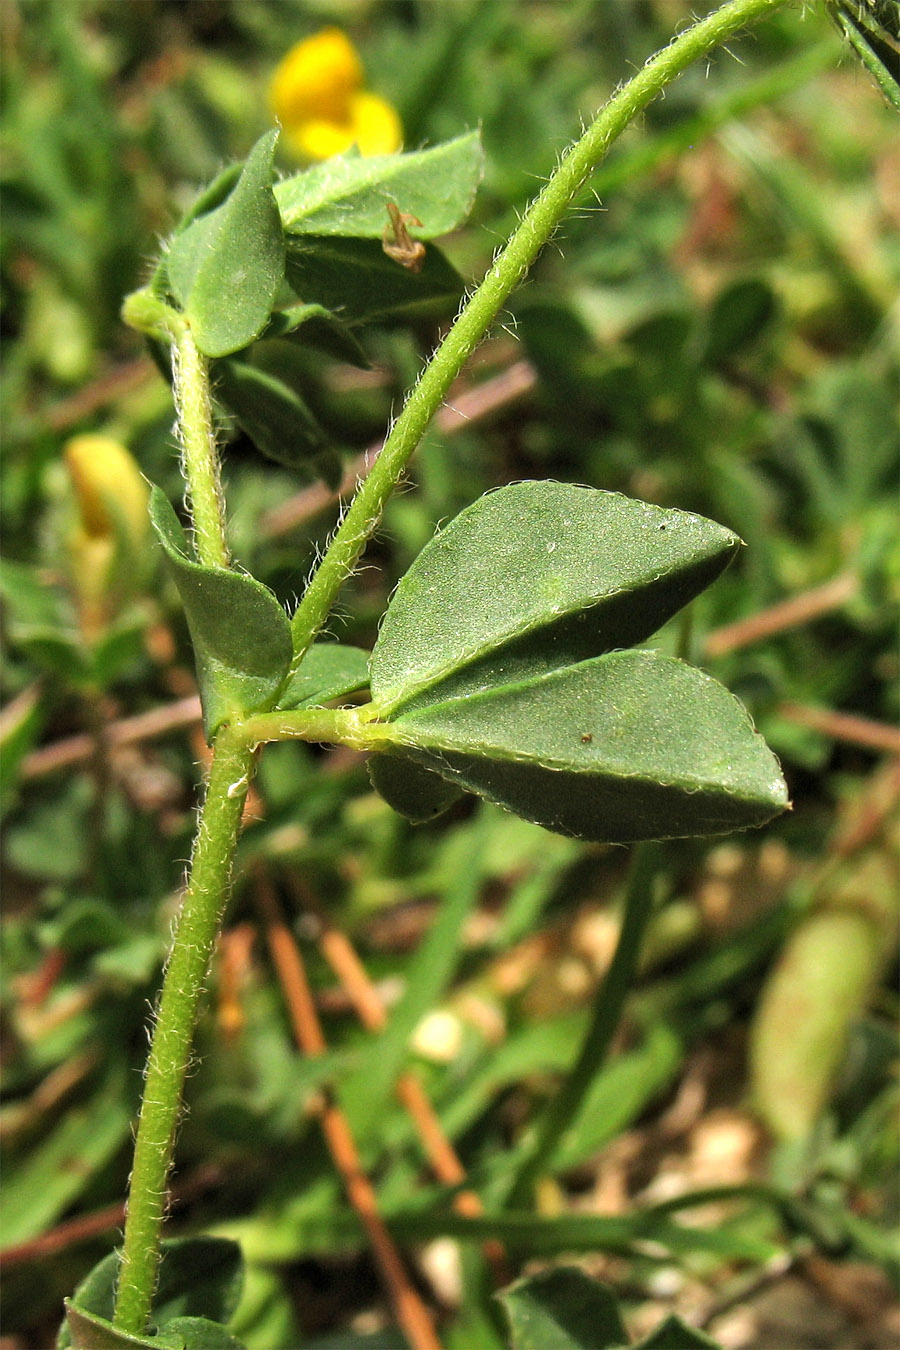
x=713 y=333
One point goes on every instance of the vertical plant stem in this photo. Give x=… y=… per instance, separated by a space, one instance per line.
x=536 y=228
x=607 y=1014
x=195 y=935
x=198 y=446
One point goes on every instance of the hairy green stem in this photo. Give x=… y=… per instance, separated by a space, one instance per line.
x=536 y=228
x=563 y=1109
x=198 y=446
x=192 y=948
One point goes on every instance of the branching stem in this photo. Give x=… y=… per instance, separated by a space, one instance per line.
x=233 y=752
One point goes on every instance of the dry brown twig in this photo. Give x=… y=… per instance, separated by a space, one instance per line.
x=168 y=717
x=838 y=726
x=791 y=613
x=342 y=956
x=409 y=1308
x=86 y=1226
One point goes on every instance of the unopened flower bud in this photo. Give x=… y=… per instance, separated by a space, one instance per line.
x=109 y=534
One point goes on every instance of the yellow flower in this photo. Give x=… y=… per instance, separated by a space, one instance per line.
x=318 y=97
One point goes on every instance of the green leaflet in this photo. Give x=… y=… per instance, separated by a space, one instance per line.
x=329 y=670
x=676 y=1334
x=415 y=791
x=497 y=672
x=199 y=1333
x=533 y=577
x=241 y=635
x=199 y=1287
x=632 y=745
x=88 y=1331
x=736 y=317
x=563 y=1309
x=226 y=267
x=272 y=414
x=314 y=326
x=348 y=195
x=358 y=281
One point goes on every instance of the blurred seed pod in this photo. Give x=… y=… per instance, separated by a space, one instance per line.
x=820 y=985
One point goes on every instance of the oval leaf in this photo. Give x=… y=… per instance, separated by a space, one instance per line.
x=241 y=635
x=632 y=745
x=88 y=1331
x=562 y=1309
x=533 y=577
x=676 y=1334
x=211 y=196
x=199 y=1277
x=737 y=316
x=200 y=1282
x=329 y=670
x=270 y=412
x=348 y=195
x=315 y=326
x=199 y=1333
x=226 y=267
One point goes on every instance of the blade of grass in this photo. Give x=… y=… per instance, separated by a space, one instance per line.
x=567 y=1102
x=429 y=973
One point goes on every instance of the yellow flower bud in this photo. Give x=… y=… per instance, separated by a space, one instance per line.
x=111 y=493
x=110 y=531
x=317 y=95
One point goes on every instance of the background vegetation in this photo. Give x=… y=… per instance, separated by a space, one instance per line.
x=714 y=334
